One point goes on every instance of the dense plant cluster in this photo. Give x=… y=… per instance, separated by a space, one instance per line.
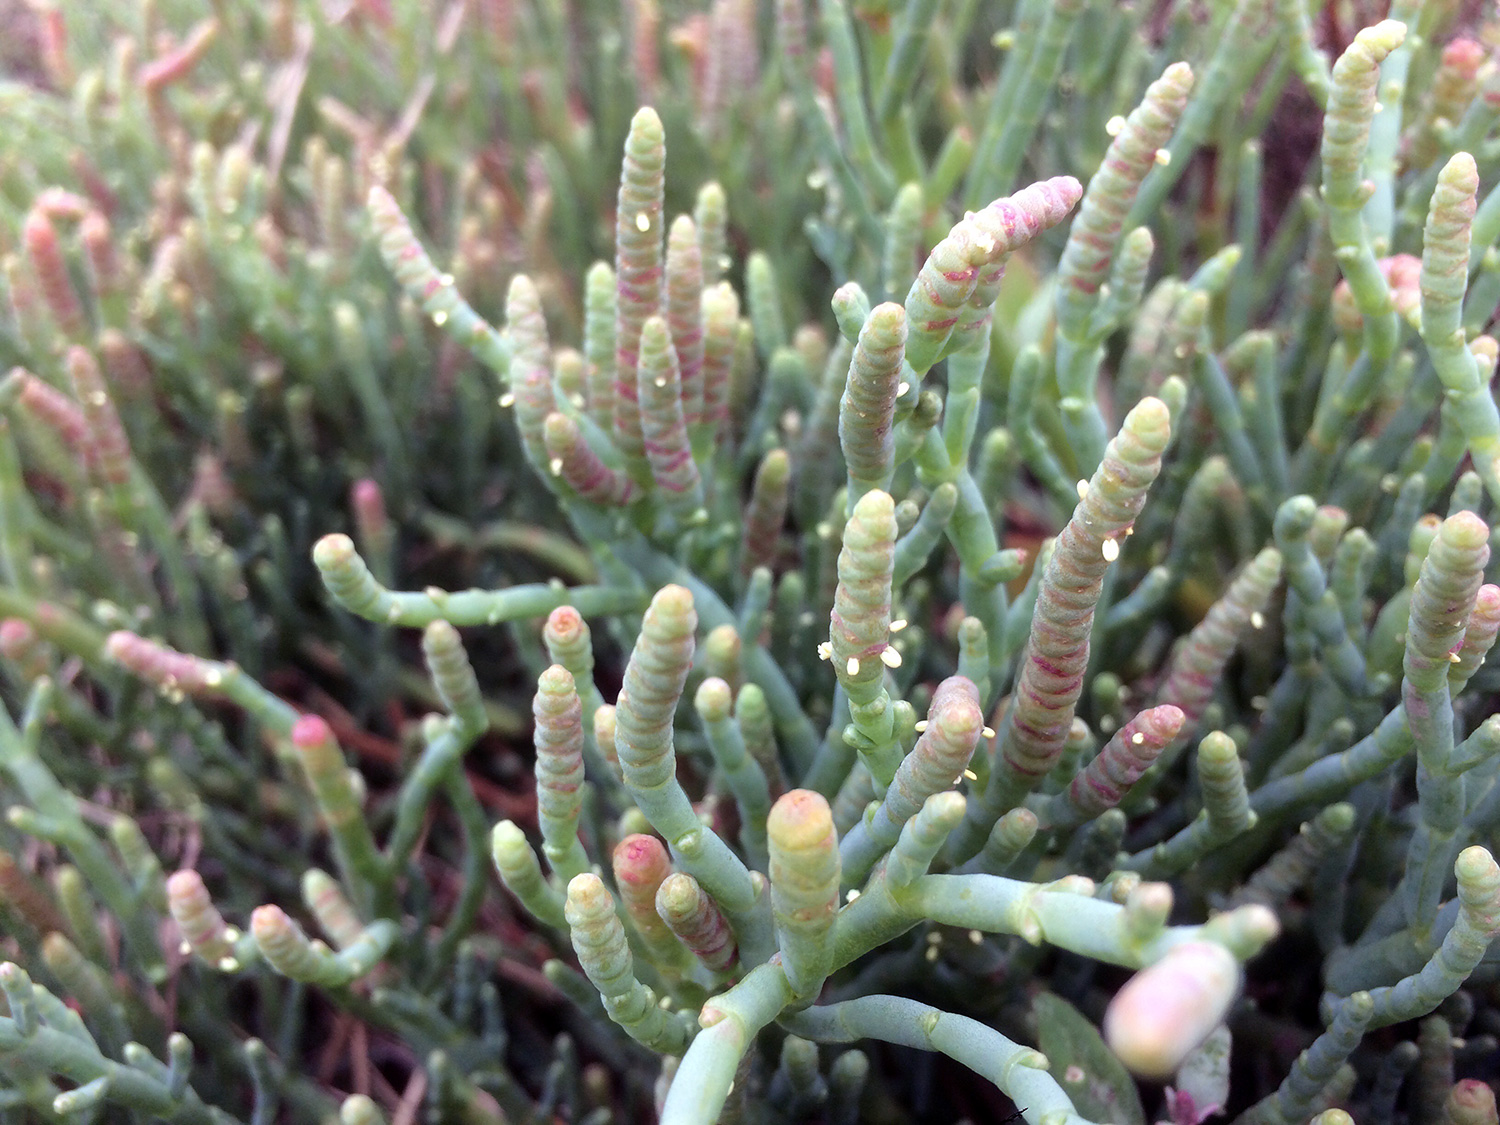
x=913 y=539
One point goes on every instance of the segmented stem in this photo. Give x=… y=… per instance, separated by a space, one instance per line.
x=1095 y=232
x=570 y=457
x=599 y=344
x=685 y=312
x=529 y=376
x=559 y=770
x=697 y=921
x=936 y=762
x=599 y=941
x=804 y=886
x=641 y=864
x=1103 y=783
x=638 y=267
x=663 y=430
x=867 y=410
x=1057 y=651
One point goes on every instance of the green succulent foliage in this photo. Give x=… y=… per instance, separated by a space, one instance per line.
x=1079 y=1059
x=904 y=523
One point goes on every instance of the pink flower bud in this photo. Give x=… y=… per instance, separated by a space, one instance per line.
x=177 y=63
x=314 y=739
x=55 y=410
x=1168 y=1008
x=60 y=203
x=369 y=507
x=197 y=918
x=167 y=668
x=52 y=272
x=1471 y=1102
x=641 y=864
x=1402 y=273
